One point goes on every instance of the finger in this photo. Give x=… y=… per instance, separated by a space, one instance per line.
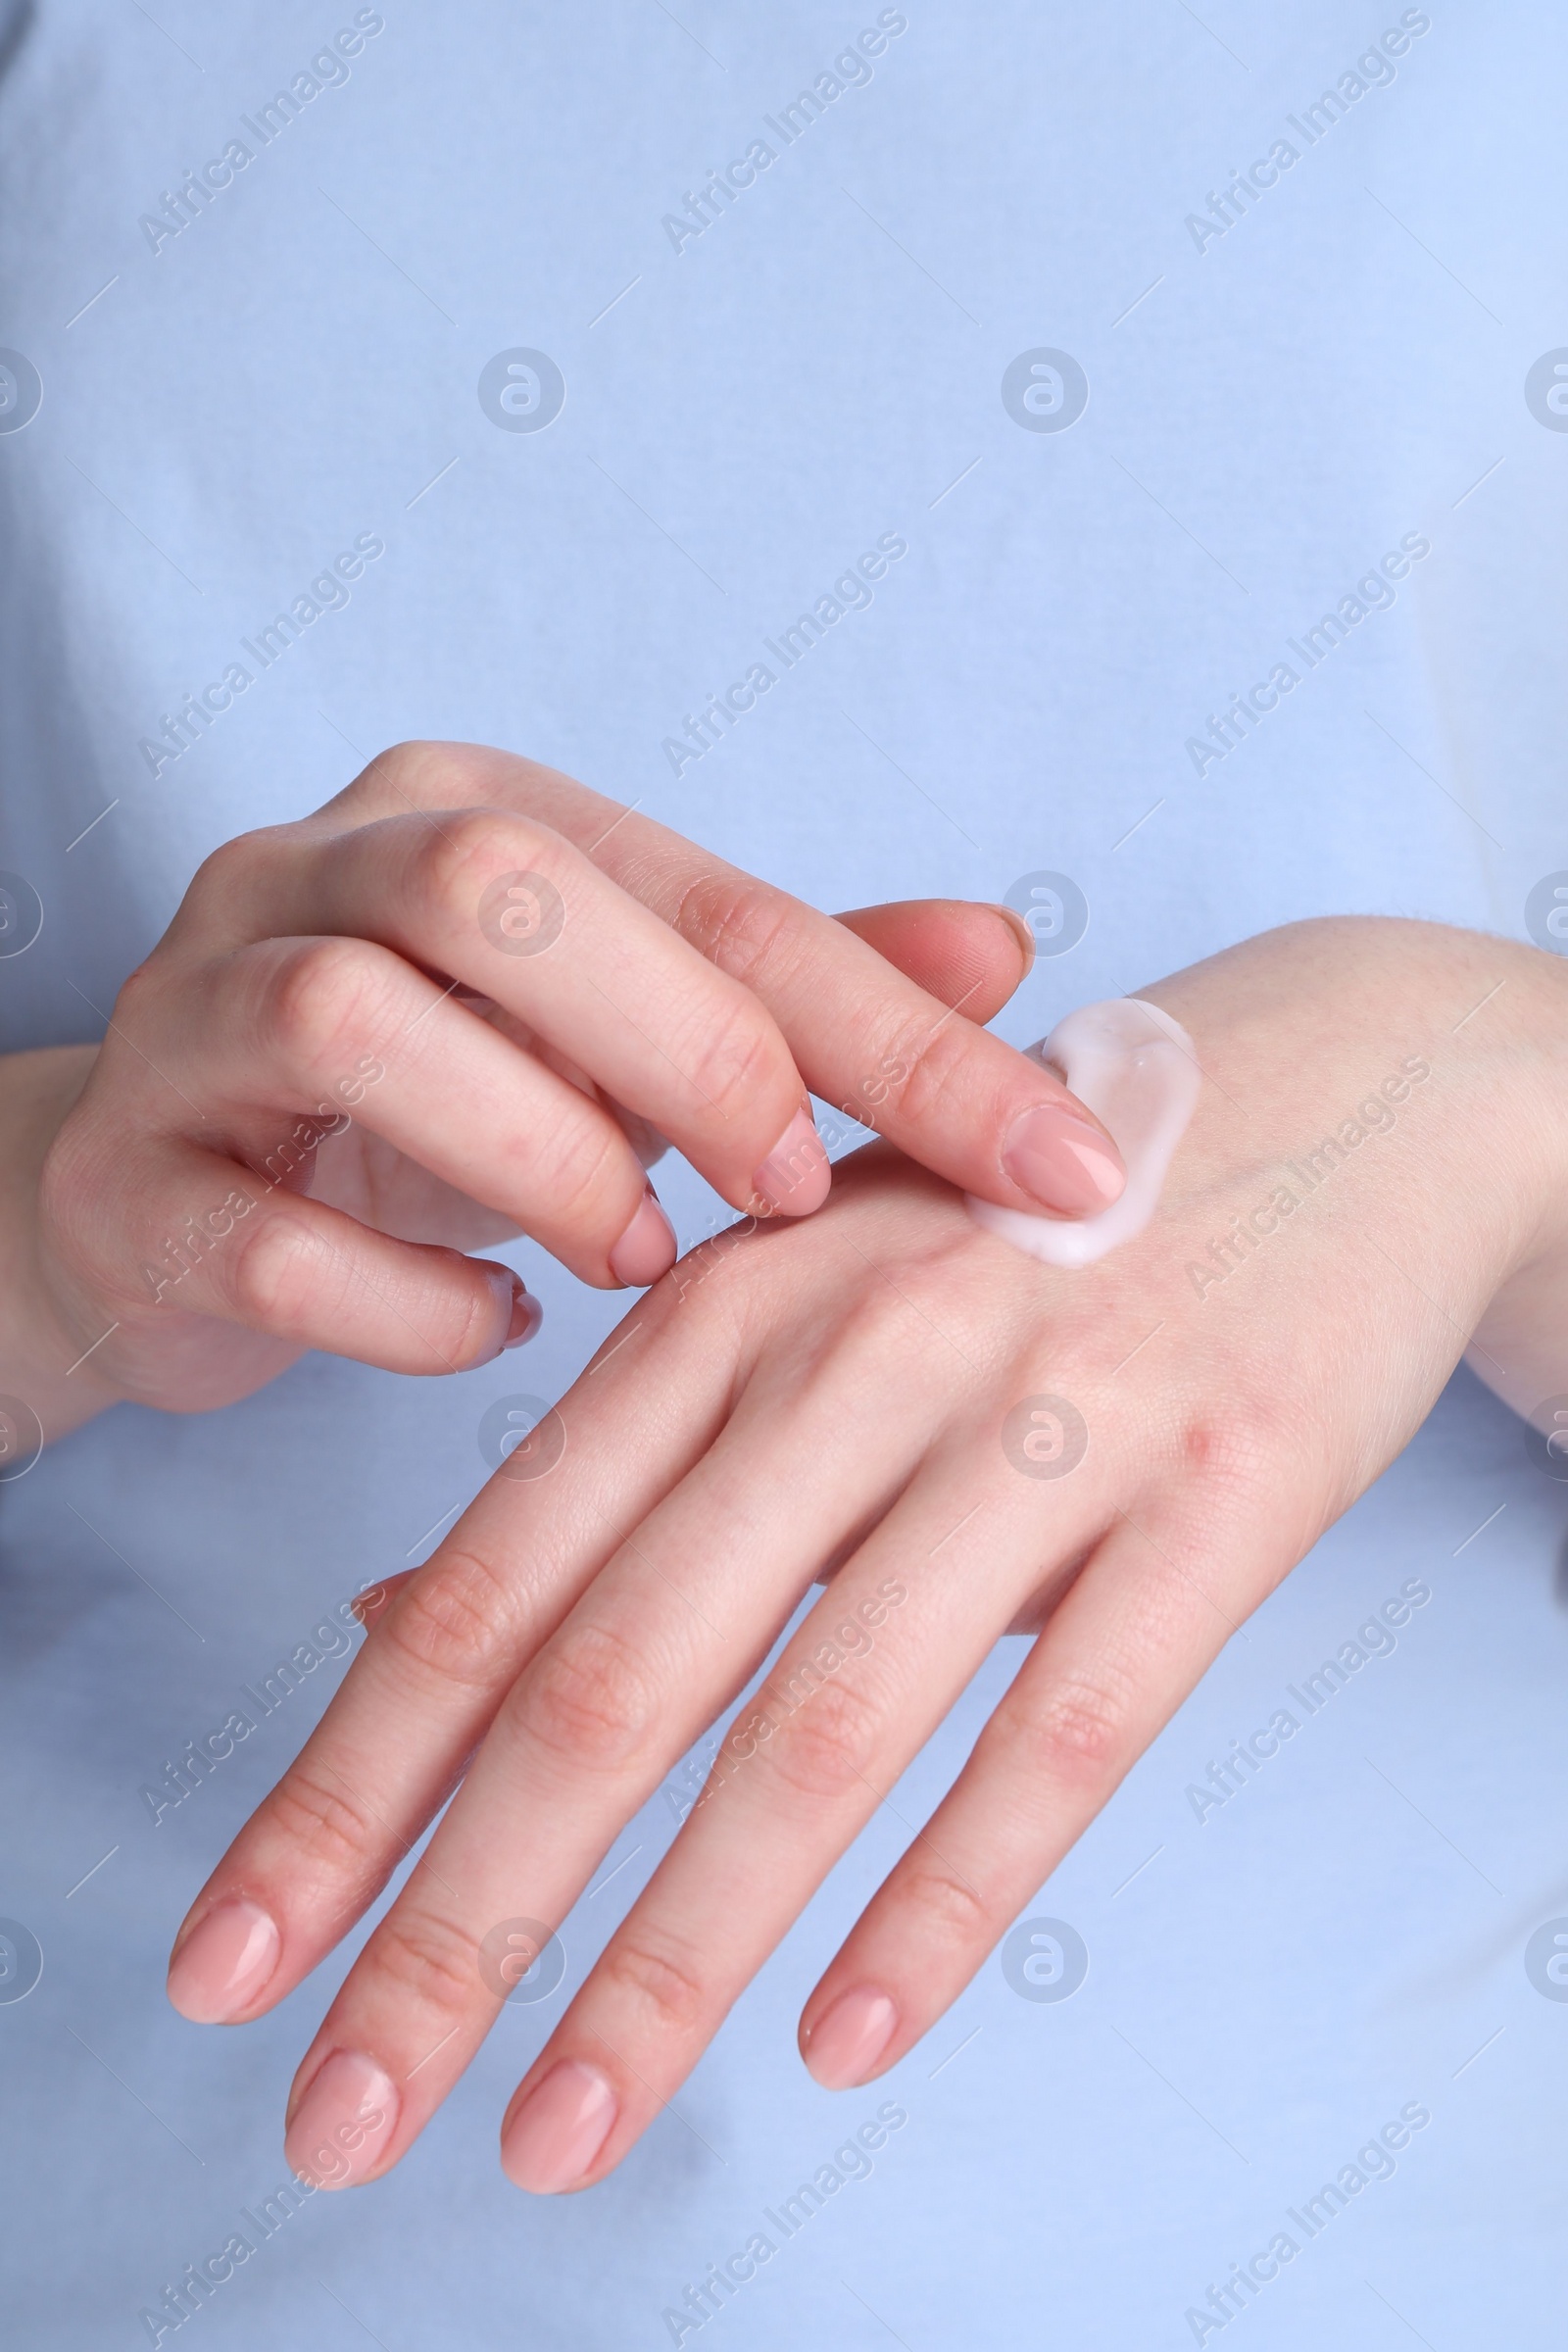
x=859 y=1690
x=882 y=1048
x=370 y=1605
x=672 y=1627
x=206 y=1236
x=334 y=1021
x=960 y=952
x=512 y=907
x=1134 y=1635
x=445 y=1642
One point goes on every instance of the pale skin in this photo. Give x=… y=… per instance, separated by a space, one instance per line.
x=839 y=1399
x=465 y=1000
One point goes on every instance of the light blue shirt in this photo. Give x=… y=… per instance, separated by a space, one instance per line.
x=560 y=380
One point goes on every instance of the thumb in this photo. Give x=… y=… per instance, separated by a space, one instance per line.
x=963 y=952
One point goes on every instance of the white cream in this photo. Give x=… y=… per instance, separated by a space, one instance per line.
x=1134 y=1068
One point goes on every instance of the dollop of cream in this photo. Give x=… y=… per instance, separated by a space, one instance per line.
x=1134 y=1068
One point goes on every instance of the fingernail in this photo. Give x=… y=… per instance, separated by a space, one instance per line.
x=795 y=1178
x=526 y=1316
x=343 y=2122
x=558 y=2129
x=849 y=2036
x=647 y=1249
x=1020 y=931
x=224 y=1963
x=1063 y=1162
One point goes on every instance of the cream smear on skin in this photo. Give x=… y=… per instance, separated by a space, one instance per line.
x=1134 y=1068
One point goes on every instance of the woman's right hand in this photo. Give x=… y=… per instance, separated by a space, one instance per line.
x=464 y=1000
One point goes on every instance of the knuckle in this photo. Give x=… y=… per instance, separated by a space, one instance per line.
x=935 y=1061
x=658 y=1979
x=578 y=1167
x=423 y=1958
x=589 y=1701
x=731 y=1052
x=397 y=761
x=859 y=1347
x=329 y=1836
x=1073 y=1737
x=827 y=1744
x=410 y=767
x=1229 y=1453
x=472 y=847
x=325 y=997
x=737 y=923
x=950 y=1913
x=277 y=1275
x=231 y=869
x=452 y=1622
x=884 y=1323
x=139 y=990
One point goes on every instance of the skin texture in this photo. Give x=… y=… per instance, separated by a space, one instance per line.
x=854 y=1396
x=364 y=1049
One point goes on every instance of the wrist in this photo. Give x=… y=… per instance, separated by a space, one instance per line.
x=41 y=1349
x=1410 y=1078
x=1520 y=1346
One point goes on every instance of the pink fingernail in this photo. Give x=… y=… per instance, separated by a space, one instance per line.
x=526 y=1316
x=1063 y=1162
x=795 y=1178
x=343 y=2120
x=648 y=1247
x=224 y=1963
x=558 y=2129
x=849 y=2036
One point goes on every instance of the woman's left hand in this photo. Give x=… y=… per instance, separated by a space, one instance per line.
x=1125 y=1459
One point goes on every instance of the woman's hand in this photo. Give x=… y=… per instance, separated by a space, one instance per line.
x=1125 y=1459
x=467 y=998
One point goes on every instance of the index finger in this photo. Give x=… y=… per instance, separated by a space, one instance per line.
x=864 y=1037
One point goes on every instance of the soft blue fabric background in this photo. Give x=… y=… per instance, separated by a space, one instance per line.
x=1266 y=417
